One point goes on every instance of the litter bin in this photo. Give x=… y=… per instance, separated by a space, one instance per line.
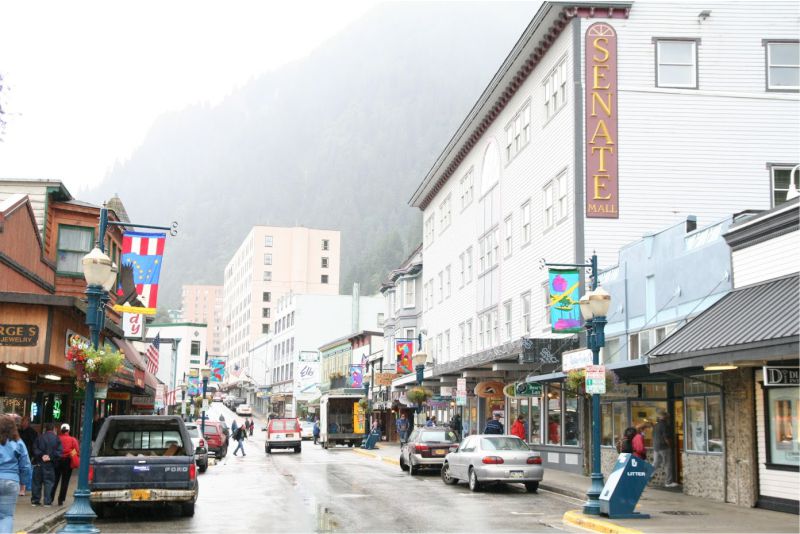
x=371 y=440
x=624 y=486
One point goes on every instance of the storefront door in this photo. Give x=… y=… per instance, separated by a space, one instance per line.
x=677 y=417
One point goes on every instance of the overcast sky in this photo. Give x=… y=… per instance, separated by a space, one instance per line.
x=87 y=79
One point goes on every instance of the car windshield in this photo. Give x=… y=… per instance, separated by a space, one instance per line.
x=438 y=436
x=282 y=424
x=503 y=443
x=211 y=430
x=193 y=431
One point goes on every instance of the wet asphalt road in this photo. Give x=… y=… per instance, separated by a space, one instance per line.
x=340 y=491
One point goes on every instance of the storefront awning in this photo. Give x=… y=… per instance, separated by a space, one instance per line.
x=130 y=352
x=757 y=322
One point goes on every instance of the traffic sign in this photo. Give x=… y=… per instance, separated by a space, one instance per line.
x=595 y=379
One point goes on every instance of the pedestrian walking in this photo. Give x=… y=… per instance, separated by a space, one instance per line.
x=494 y=426
x=252 y=426
x=15 y=469
x=246 y=426
x=46 y=450
x=239 y=435
x=221 y=418
x=28 y=435
x=455 y=426
x=518 y=428
x=662 y=448
x=638 y=441
x=403 y=427
x=429 y=422
x=625 y=444
x=316 y=431
x=68 y=461
x=234 y=426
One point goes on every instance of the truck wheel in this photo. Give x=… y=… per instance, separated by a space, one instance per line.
x=532 y=487
x=268 y=450
x=297 y=449
x=187 y=509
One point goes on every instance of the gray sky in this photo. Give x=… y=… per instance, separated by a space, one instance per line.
x=87 y=79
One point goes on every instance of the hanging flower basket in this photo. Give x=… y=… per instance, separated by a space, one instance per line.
x=89 y=363
x=418 y=394
x=576 y=381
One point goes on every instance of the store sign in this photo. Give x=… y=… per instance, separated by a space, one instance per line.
x=160 y=395
x=384 y=379
x=602 y=149
x=132 y=325
x=19 y=335
x=138 y=377
x=461 y=392
x=118 y=395
x=781 y=376
x=142 y=400
x=596 y=379
x=576 y=359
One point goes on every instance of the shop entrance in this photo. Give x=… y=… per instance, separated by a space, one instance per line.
x=677 y=418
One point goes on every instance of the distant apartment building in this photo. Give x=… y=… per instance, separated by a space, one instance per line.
x=203 y=304
x=271 y=262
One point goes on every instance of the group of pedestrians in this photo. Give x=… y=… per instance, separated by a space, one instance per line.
x=632 y=442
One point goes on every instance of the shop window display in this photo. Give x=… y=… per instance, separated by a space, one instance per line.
x=646 y=412
x=554 y=417
x=572 y=424
x=782 y=411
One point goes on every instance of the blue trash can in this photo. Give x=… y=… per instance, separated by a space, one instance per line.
x=624 y=486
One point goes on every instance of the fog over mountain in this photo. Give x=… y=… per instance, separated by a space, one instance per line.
x=338 y=140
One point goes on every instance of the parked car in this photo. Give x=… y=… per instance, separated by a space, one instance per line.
x=426 y=448
x=283 y=434
x=306 y=430
x=217 y=438
x=218 y=397
x=244 y=409
x=143 y=460
x=200 y=448
x=484 y=459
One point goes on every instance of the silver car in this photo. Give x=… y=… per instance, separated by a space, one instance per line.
x=490 y=458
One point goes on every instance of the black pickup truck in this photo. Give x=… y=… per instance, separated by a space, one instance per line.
x=143 y=460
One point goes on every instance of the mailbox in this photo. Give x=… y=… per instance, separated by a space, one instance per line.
x=624 y=486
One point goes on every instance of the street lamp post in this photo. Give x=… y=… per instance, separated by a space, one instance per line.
x=419 y=360
x=183 y=397
x=205 y=372
x=594 y=307
x=100 y=274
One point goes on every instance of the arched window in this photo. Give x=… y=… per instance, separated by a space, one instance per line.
x=490 y=170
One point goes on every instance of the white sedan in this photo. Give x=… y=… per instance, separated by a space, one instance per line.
x=244 y=409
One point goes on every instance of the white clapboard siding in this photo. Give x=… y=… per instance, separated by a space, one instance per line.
x=37 y=194
x=772 y=483
x=771 y=259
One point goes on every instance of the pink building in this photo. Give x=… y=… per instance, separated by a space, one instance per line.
x=203 y=304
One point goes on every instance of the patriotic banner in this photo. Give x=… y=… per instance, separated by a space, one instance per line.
x=217 y=366
x=153 y=354
x=142 y=255
x=564 y=288
x=404 y=349
x=355 y=376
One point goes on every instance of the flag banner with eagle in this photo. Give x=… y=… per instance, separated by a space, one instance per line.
x=142 y=255
x=564 y=290
x=404 y=349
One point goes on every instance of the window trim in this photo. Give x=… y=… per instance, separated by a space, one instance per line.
x=471 y=176
x=551 y=186
x=511 y=154
x=765 y=43
x=779 y=166
x=72 y=274
x=697 y=41
x=556 y=68
x=525 y=242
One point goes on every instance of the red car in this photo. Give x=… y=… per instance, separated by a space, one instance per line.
x=216 y=438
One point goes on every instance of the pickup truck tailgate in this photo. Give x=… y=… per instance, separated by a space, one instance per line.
x=156 y=472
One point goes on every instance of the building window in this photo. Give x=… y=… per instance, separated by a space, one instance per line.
x=268 y=276
x=781 y=179
x=194 y=349
x=410 y=333
x=468 y=341
x=444 y=214
x=430 y=292
x=555 y=89
x=265 y=312
x=324 y=262
x=447 y=281
x=613 y=422
x=462 y=270
x=324 y=279
x=409 y=294
x=782 y=426
x=466 y=189
x=326 y=244
x=508 y=237
x=469 y=265
x=439 y=345
x=703 y=424
x=461 y=339
x=526 y=222
x=267 y=259
x=446 y=352
x=267 y=240
x=633 y=346
x=546 y=295
x=783 y=66
x=265 y=328
x=507 y=318
x=676 y=63
x=74 y=243
x=518 y=132
x=563 y=190
x=429 y=229
x=441 y=286
x=526 y=313
x=496 y=325
x=489 y=250
x=549 y=219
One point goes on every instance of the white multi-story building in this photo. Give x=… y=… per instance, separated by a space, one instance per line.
x=203 y=304
x=304 y=323
x=183 y=347
x=607 y=120
x=271 y=262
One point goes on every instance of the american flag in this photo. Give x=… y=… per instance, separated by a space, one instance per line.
x=152 y=355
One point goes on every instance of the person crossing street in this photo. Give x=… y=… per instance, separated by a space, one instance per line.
x=239 y=435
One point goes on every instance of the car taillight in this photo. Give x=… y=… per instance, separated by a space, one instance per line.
x=421 y=448
x=492 y=460
x=192 y=471
x=537 y=460
x=202 y=442
x=91 y=473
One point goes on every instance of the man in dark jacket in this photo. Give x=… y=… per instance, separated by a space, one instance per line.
x=494 y=426
x=28 y=435
x=46 y=451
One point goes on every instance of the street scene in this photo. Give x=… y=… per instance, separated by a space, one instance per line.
x=381 y=266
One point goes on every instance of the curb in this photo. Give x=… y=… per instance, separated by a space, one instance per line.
x=562 y=491
x=386 y=459
x=578 y=519
x=44 y=524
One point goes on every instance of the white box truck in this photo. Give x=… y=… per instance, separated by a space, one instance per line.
x=338 y=424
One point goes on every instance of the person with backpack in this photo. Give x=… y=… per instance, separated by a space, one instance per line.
x=252 y=426
x=316 y=431
x=495 y=426
x=625 y=443
x=239 y=435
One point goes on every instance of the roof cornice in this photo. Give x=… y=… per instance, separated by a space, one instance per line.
x=536 y=40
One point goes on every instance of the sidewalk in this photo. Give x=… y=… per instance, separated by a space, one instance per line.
x=28 y=518
x=670 y=511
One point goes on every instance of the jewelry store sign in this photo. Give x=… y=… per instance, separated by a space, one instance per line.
x=19 y=335
x=781 y=376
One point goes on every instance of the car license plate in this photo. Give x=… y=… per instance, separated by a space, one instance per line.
x=515 y=474
x=140 y=495
x=289 y=435
x=440 y=452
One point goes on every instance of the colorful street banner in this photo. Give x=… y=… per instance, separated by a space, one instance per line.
x=404 y=349
x=142 y=255
x=355 y=376
x=195 y=386
x=217 y=366
x=564 y=291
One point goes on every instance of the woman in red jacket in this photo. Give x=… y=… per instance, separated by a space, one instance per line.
x=518 y=428
x=638 y=442
x=70 y=448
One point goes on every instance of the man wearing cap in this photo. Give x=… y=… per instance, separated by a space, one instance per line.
x=46 y=450
x=69 y=448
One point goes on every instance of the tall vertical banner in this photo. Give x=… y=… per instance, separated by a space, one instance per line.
x=602 y=148
x=217 y=366
x=404 y=349
x=142 y=255
x=564 y=293
x=355 y=376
